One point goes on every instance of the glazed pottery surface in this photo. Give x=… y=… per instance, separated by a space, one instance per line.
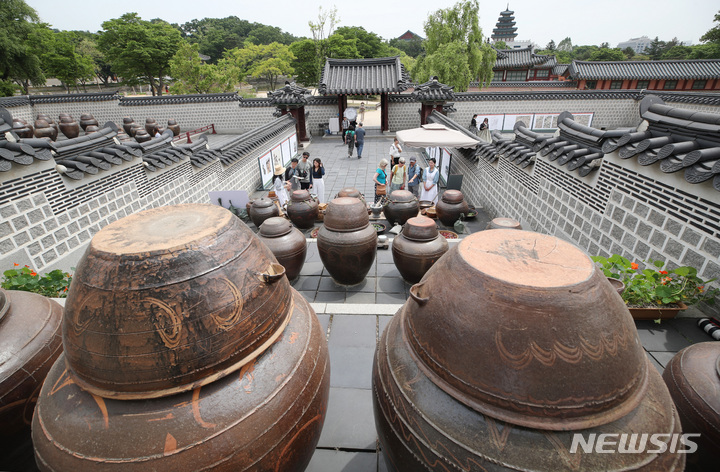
x=30 y=341
x=169 y=299
x=173 y=126
x=417 y=248
x=287 y=244
x=350 y=192
x=401 y=206
x=512 y=342
x=302 y=209
x=693 y=378
x=266 y=417
x=261 y=209
x=70 y=129
x=451 y=206
x=151 y=126
x=347 y=243
x=127 y=124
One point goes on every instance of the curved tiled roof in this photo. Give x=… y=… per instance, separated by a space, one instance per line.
x=433 y=90
x=179 y=99
x=74 y=97
x=530 y=84
x=677 y=139
x=290 y=94
x=236 y=149
x=16 y=101
x=522 y=57
x=646 y=70
x=255 y=102
x=359 y=76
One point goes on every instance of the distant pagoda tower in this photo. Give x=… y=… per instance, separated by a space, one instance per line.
x=505 y=29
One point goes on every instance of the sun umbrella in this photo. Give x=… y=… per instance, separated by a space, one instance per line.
x=435 y=134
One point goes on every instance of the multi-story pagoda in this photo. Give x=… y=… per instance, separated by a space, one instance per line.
x=505 y=29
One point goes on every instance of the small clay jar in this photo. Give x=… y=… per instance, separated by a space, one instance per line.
x=402 y=206
x=69 y=127
x=302 y=209
x=86 y=119
x=417 y=248
x=22 y=128
x=173 y=126
x=44 y=130
x=504 y=223
x=134 y=128
x=151 y=126
x=262 y=209
x=91 y=129
x=287 y=244
x=127 y=124
x=142 y=136
x=451 y=206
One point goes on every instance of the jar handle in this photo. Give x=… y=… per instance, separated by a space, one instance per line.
x=415 y=293
x=273 y=273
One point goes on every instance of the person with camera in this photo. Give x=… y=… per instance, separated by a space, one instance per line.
x=303 y=171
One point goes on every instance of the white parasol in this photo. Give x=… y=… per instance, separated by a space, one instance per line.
x=435 y=134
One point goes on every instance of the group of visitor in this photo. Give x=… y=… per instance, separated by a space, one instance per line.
x=301 y=175
x=420 y=182
x=481 y=130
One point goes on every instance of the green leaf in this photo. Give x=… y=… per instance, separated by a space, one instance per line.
x=658 y=264
x=682 y=271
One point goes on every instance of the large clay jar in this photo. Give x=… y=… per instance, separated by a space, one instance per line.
x=302 y=209
x=350 y=192
x=86 y=119
x=693 y=378
x=451 y=206
x=44 y=130
x=417 y=248
x=169 y=299
x=127 y=124
x=22 y=128
x=261 y=209
x=174 y=127
x=266 y=417
x=401 y=206
x=346 y=241
x=69 y=127
x=287 y=244
x=151 y=126
x=511 y=343
x=30 y=341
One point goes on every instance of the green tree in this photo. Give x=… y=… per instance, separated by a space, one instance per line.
x=456 y=30
x=705 y=51
x=368 y=44
x=677 y=52
x=7 y=88
x=60 y=58
x=629 y=52
x=139 y=50
x=583 y=53
x=412 y=47
x=713 y=34
x=192 y=75
x=261 y=61
x=500 y=45
x=264 y=34
x=550 y=46
x=655 y=49
x=565 y=45
x=18 y=63
x=607 y=54
x=338 y=47
x=88 y=47
x=306 y=62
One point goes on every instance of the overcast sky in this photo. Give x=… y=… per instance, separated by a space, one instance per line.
x=585 y=22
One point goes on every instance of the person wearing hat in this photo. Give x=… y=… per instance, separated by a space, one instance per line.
x=279 y=185
x=414 y=172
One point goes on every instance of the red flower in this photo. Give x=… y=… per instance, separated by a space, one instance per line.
x=634 y=266
x=15 y=264
x=33 y=273
x=27 y=266
x=663 y=272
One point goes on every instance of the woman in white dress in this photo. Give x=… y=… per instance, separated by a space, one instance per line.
x=317 y=182
x=428 y=188
x=279 y=185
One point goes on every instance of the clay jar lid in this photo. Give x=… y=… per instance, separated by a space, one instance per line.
x=349 y=192
x=504 y=223
x=346 y=214
x=402 y=196
x=524 y=328
x=695 y=372
x=172 y=122
x=275 y=227
x=170 y=299
x=300 y=196
x=88 y=116
x=40 y=123
x=452 y=196
x=126 y=119
x=420 y=228
x=262 y=202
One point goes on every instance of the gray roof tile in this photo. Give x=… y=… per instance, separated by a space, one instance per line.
x=522 y=58
x=646 y=70
x=433 y=90
x=360 y=76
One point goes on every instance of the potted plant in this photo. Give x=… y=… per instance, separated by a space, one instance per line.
x=653 y=293
x=54 y=284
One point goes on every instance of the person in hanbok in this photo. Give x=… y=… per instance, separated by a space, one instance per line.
x=484 y=132
x=317 y=183
x=280 y=186
x=429 y=186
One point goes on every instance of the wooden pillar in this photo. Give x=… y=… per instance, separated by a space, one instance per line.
x=384 y=115
x=342 y=106
x=299 y=115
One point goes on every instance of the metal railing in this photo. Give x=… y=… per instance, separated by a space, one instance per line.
x=195 y=132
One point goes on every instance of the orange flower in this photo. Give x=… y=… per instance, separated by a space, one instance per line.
x=15 y=264
x=33 y=273
x=701 y=288
x=634 y=266
x=27 y=266
x=664 y=272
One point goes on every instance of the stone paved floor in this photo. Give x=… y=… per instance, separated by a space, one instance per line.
x=355 y=317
